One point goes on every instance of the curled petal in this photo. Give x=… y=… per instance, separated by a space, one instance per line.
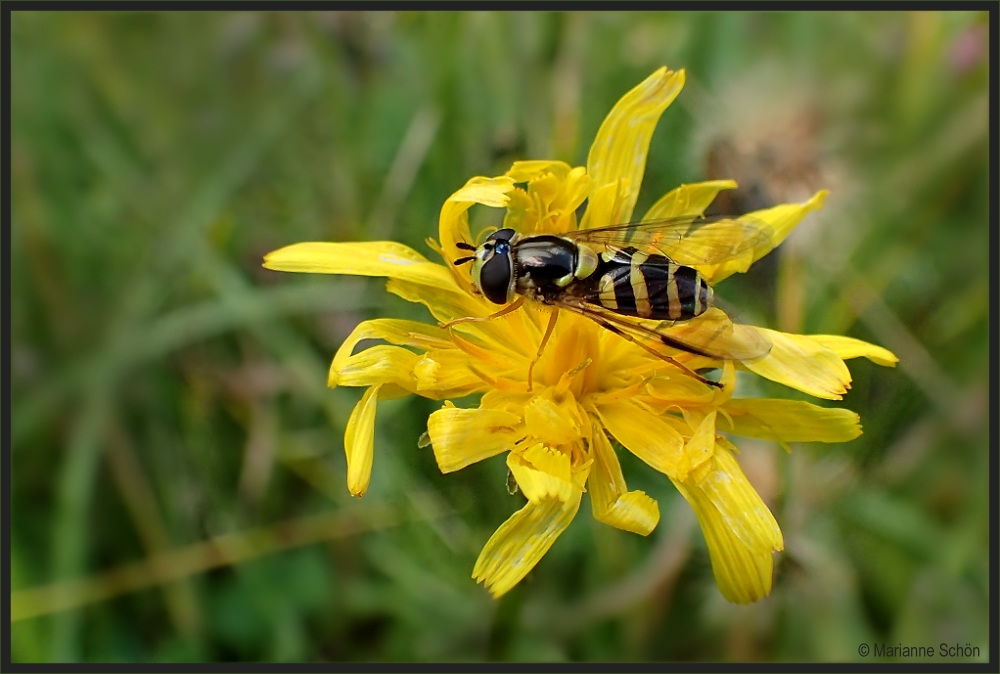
x=790 y=421
x=528 y=170
x=463 y=437
x=520 y=543
x=359 y=442
x=688 y=200
x=610 y=499
x=545 y=473
x=848 y=347
x=779 y=222
x=803 y=363
x=740 y=530
x=453 y=223
x=380 y=364
x=374 y=258
x=619 y=150
x=647 y=436
x=394 y=331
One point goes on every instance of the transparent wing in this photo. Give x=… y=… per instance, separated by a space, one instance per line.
x=712 y=334
x=687 y=240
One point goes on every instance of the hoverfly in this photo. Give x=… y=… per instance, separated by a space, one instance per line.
x=617 y=274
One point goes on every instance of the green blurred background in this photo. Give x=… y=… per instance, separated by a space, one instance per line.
x=178 y=478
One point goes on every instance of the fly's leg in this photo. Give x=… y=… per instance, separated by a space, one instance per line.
x=662 y=356
x=510 y=308
x=541 y=347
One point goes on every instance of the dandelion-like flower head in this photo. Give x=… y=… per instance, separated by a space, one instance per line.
x=590 y=387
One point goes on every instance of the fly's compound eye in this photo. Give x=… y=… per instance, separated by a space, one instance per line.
x=501 y=235
x=496 y=275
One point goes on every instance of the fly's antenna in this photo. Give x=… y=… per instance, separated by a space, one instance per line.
x=462 y=245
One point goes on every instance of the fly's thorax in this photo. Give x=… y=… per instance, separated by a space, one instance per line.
x=544 y=264
x=493 y=267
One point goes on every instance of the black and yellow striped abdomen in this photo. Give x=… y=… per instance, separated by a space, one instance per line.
x=633 y=283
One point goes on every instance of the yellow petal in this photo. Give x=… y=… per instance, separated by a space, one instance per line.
x=681 y=391
x=552 y=423
x=610 y=499
x=789 y=421
x=400 y=332
x=525 y=171
x=359 y=442
x=521 y=215
x=444 y=306
x=701 y=446
x=554 y=192
x=370 y=258
x=740 y=531
x=605 y=202
x=786 y=217
x=379 y=364
x=848 y=347
x=508 y=402
x=575 y=190
x=445 y=373
x=619 y=150
x=647 y=436
x=779 y=222
x=463 y=437
x=803 y=363
x=544 y=473
x=688 y=200
x=520 y=542
x=453 y=223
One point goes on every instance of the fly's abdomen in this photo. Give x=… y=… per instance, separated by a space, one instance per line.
x=651 y=286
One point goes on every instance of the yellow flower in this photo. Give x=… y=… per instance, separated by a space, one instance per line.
x=590 y=385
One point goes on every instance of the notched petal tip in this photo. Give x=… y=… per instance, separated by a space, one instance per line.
x=848 y=347
x=544 y=473
x=741 y=532
x=688 y=200
x=610 y=500
x=633 y=511
x=790 y=420
x=803 y=363
x=520 y=542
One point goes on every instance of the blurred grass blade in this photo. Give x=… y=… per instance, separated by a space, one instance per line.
x=185 y=326
x=200 y=557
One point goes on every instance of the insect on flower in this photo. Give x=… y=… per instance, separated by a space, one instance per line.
x=644 y=270
x=561 y=394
